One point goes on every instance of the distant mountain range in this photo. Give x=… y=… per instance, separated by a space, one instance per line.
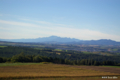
x=59 y=40
x=44 y=39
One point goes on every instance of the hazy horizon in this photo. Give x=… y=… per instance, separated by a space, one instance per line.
x=80 y=19
x=53 y=38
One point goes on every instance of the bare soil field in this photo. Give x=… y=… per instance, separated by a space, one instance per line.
x=58 y=72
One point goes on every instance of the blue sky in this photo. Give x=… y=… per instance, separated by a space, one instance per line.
x=81 y=19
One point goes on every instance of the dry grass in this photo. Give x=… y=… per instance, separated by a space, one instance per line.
x=47 y=70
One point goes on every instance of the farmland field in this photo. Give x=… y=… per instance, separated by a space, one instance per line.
x=16 y=64
x=112 y=66
x=54 y=72
x=2 y=46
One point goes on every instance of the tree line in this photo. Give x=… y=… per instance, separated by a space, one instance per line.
x=37 y=58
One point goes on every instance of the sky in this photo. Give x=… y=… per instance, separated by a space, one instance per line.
x=80 y=19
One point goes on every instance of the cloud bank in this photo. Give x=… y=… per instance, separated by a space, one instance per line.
x=35 y=29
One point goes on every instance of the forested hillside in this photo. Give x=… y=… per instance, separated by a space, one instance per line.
x=10 y=51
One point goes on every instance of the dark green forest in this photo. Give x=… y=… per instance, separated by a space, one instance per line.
x=27 y=54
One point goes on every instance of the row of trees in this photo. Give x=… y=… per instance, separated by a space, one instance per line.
x=32 y=58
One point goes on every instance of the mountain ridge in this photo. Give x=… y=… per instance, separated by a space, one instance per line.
x=56 y=39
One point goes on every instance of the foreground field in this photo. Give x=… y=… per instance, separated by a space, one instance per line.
x=75 y=78
x=52 y=71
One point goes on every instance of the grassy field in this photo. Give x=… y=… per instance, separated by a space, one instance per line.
x=3 y=46
x=114 y=49
x=100 y=53
x=87 y=52
x=49 y=71
x=57 y=49
x=112 y=66
x=16 y=64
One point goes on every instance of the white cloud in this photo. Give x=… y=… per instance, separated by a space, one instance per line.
x=45 y=23
x=18 y=23
x=84 y=34
x=28 y=30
